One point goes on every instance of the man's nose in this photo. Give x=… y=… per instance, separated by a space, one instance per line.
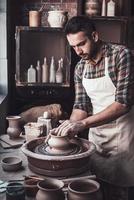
x=78 y=50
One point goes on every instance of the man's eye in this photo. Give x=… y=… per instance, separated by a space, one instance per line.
x=83 y=43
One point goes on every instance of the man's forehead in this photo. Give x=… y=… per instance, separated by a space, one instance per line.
x=76 y=38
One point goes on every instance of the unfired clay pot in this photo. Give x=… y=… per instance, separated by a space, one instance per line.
x=58 y=143
x=50 y=189
x=83 y=190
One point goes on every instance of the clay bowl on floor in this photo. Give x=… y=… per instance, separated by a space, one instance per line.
x=83 y=190
x=12 y=163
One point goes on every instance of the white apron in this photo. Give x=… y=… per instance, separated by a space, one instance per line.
x=114 y=160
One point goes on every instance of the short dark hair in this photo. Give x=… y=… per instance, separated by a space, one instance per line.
x=80 y=23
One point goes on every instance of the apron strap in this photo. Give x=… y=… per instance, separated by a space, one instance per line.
x=106 y=66
x=85 y=69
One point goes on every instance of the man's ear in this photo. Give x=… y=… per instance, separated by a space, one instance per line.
x=95 y=36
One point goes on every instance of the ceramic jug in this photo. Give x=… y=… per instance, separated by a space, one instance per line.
x=14 y=128
x=84 y=190
x=50 y=189
x=46 y=123
x=92 y=7
x=57 y=18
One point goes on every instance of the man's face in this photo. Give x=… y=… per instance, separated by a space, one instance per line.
x=83 y=46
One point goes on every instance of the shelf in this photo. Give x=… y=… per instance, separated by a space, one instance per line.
x=40 y=28
x=120 y=18
x=33 y=44
x=21 y=84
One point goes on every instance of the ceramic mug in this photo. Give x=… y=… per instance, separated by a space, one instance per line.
x=34 y=18
x=15 y=191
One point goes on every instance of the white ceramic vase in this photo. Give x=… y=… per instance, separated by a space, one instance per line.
x=57 y=18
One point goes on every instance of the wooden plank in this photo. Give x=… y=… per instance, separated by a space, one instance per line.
x=6 y=142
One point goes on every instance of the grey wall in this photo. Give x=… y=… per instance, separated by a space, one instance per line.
x=3 y=48
x=3 y=66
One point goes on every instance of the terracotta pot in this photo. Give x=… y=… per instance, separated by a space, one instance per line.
x=50 y=189
x=14 y=129
x=83 y=190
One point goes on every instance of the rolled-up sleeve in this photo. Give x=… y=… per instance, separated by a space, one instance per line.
x=125 y=78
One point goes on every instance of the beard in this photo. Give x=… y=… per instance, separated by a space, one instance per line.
x=84 y=56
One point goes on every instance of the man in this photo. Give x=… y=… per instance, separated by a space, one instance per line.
x=104 y=87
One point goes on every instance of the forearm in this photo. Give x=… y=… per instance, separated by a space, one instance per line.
x=77 y=115
x=111 y=113
x=79 y=120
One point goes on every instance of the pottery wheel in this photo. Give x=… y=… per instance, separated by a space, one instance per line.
x=47 y=150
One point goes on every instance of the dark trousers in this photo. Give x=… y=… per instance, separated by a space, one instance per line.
x=112 y=192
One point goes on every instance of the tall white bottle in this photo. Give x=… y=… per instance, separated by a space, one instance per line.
x=52 y=75
x=38 y=69
x=59 y=72
x=45 y=72
x=103 y=8
x=111 y=8
x=31 y=75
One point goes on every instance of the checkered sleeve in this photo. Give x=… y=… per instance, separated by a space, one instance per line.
x=82 y=101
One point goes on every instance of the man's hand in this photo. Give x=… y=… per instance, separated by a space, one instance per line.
x=69 y=128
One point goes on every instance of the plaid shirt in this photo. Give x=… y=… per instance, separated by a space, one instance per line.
x=121 y=72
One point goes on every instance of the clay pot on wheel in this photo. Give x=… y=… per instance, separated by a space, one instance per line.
x=14 y=129
x=50 y=189
x=59 y=143
x=84 y=190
